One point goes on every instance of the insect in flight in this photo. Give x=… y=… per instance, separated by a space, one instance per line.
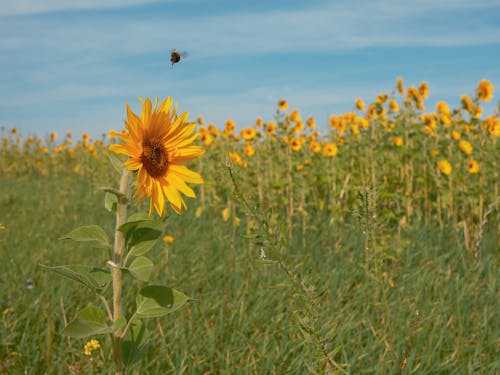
x=175 y=56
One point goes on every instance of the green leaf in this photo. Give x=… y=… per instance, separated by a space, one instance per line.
x=142 y=247
x=93 y=278
x=141 y=235
x=89 y=233
x=110 y=202
x=139 y=216
x=116 y=162
x=134 y=342
x=141 y=268
x=157 y=300
x=90 y=321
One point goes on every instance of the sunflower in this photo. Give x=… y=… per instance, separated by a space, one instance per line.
x=158 y=143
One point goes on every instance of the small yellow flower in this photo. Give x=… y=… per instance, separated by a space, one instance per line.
x=295 y=116
x=91 y=346
x=330 y=149
x=200 y=120
x=381 y=99
x=442 y=108
x=311 y=123
x=270 y=128
x=393 y=105
x=299 y=167
x=445 y=167
x=168 y=239
x=295 y=144
x=398 y=141
x=248 y=134
x=465 y=147
x=423 y=90
x=399 y=83
x=478 y=112
x=2 y=226
x=360 y=104
x=229 y=127
x=282 y=105
x=467 y=103
x=485 y=90
x=225 y=214
x=248 y=150
x=315 y=147
x=472 y=166
x=455 y=135
x=259 y=122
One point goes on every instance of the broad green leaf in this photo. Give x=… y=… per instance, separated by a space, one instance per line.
x=90 y=321
x=157 y=300
x=139 y=216
x=110 y=202
x=134 y=342
x=119 y=324
x=92 y=277
x=141 y=268
x=141 y=235
x=142 y=247
x=89 y=233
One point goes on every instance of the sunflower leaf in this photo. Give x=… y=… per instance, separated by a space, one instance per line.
x=156 y=300
x=89 y=233
x=88 y=322
x=141 y=268
x=92 y=277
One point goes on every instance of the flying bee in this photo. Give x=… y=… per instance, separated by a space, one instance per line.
x=175 y=56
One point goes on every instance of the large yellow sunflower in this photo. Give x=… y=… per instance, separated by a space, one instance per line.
x=158 y=143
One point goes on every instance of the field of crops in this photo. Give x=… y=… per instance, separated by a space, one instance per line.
x=370 y=246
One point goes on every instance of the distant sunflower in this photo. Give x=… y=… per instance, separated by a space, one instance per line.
x=158 y=143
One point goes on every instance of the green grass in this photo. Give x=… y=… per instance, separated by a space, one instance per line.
x=439 y=317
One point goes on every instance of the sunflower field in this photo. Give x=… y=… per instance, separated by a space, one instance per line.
x=369 y=246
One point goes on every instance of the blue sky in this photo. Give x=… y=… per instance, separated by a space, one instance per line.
x=73 y=64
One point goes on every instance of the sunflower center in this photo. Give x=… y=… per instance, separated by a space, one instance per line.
x=154 y=157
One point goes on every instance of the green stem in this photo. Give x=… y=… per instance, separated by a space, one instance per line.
x=121 y=213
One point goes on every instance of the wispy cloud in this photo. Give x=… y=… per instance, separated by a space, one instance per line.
x=23 y=7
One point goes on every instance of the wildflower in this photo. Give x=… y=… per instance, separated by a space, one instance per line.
x=423 y=90
x=442 y=108
x=295 y=116
x=213 y=130
x=299 y=167
x=200 y=120
x=467 y=103
x=472 y=166
x=445 y=167
x=393 y=105
x=248 y=133
x=13 y=131
x=398 y=141
x=158 y=144
x=465 y=147
x=237 y=159
x=258 y=122
x=399 y=84
x=485 y=90
x=207 y=139
x=282 y=105
x=229 y=127
x=53 y=137
x=311 y=123
x=330 y=149
x=168 y=239
x=225 y=214
x=478 y=112
x=315 y=147
x=435 y=152
x=91 y=346
x=270 y=128
x=360 y=104
x=2 y=226
x=248 y=150
x=455 y=135
x=381 y=99
x=295 y=144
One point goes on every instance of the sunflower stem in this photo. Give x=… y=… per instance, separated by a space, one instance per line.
x=119 y=246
